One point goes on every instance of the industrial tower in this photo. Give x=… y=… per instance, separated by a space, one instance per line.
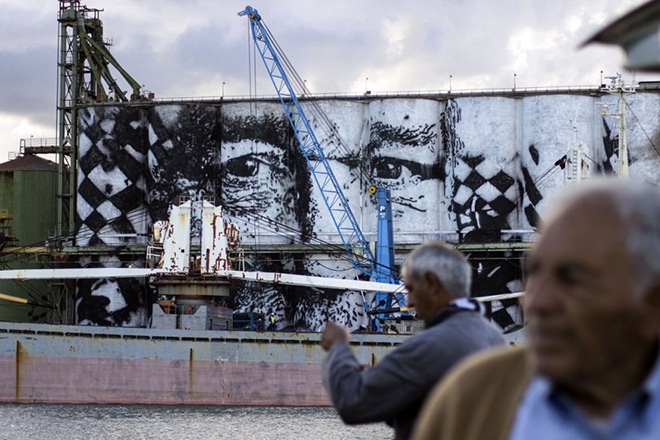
x=84 y=77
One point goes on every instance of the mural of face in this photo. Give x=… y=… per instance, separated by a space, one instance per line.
x=404 y=160
x=132 y=163
x=265 y=186
x=263 y=176
x=183 y=144
x=314 y=307
x=106 y=302
x=402 y=153
x=462 y=165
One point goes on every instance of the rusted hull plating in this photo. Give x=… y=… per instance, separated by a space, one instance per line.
x=154 y=381
x=69 y=364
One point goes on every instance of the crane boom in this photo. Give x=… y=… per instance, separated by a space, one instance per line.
x=350 y=234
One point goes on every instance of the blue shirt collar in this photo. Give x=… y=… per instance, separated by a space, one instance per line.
x=646 y=398
x=652 y=383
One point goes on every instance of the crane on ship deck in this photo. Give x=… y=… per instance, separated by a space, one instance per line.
x=381 y=268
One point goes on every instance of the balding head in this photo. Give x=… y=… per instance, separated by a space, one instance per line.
x=434 y=275
x=447 y=264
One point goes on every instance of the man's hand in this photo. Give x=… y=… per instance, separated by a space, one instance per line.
x=333 y=334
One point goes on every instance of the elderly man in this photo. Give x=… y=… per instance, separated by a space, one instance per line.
x=438 y=281
x=591 y=369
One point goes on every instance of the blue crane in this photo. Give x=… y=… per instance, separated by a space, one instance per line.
x=384 y=269
x=351 y=236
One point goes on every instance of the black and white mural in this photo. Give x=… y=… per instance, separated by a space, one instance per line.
x=112 y=204
x=112 y=302
x=481 y=168
x=465 y=170
x=262 y=176
x=112 y=184
x=404 y=154
x=482 y=193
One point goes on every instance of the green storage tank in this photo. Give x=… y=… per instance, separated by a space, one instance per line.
x=28 y=204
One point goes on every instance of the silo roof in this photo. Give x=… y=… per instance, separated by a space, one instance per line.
x=29 y=163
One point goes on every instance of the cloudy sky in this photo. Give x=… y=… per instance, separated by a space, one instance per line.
x=189 y=48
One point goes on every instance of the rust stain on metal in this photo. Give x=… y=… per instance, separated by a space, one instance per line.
x=214 y=223
x=17 y=378
x=309 y=352
x=191 y=360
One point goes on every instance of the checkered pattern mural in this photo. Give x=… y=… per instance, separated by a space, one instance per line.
x=483 y=197
x=111 y=179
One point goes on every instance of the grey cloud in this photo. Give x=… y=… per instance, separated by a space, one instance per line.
x=333 y=45
x=28 y=83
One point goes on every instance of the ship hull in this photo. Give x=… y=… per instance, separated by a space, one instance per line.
x=76 y=364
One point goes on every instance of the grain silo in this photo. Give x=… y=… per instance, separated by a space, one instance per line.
x=28 y=215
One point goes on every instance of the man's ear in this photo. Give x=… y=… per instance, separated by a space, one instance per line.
x=433 y=282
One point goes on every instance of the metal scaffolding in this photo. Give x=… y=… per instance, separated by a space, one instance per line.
x=84 y=77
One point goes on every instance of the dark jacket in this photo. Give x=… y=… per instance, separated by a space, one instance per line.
x=394 y=390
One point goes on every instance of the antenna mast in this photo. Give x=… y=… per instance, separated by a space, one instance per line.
x=617 y=87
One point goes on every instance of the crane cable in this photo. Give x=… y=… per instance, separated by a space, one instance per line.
x=641 y=126
x=325 y=124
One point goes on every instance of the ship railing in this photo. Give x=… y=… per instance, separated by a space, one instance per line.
x=401 y=237
x=194 y=336
x=123 y=238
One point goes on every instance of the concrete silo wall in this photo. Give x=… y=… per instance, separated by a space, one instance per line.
x=463 y=169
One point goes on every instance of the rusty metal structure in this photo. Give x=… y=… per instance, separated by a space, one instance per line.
x=84 y=76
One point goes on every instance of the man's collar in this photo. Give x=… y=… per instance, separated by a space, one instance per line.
x=456 y=306
x=651 y=387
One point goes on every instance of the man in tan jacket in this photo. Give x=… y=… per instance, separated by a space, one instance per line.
x=591 y=369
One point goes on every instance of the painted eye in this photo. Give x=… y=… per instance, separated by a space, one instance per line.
x=243 y=166
x=387 y=168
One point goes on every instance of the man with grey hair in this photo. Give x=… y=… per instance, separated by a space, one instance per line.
x=438 y=281
x=592 y=366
